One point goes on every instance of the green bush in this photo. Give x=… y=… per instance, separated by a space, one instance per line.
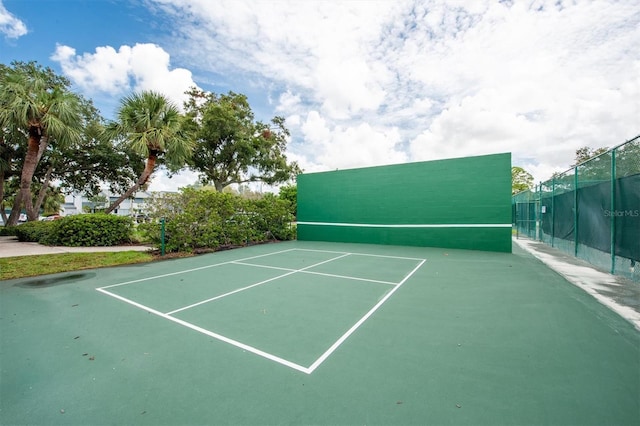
x=273 y=218
x=33 y=232
x=88 y=230
x=206 y=219
x=7 y=231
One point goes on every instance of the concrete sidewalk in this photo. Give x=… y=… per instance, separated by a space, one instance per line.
x=617 y=293
x=11 y=247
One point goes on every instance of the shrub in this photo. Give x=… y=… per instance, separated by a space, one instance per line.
x=7 y=231
x=206 y=219
x=33 y=232
x=273 y=218
x=91 y=230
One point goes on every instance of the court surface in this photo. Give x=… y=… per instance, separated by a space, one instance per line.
x=316 y=333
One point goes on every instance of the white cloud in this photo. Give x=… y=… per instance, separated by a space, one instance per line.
x=372 y=82
x=130 y=68
x=352 y=146
x=11 y=26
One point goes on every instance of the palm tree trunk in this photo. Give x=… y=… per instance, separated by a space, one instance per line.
x=43 y=190
x=144 y=177
x=2 y=212
x=28 y=169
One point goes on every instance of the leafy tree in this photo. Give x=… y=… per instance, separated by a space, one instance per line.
x=289 y=193
x=52 y=201
x=594 y=165
x=99 y=202
x=521 y=180
x=231 y=146
x=86 y=166
x=150 y=125
x=10 y=154
x=628 y=158
x=585 y=153
x=38 y=104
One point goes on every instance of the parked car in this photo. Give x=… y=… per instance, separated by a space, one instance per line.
x=52 y=217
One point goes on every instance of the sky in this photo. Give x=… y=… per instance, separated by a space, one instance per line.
x=362 y=83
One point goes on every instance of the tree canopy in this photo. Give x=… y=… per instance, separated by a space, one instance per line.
x=521 y=180
x=149 y=124
x=54 y=141
x=585 y=153
x=231 y=146
x=37 y=104
x=75 y=158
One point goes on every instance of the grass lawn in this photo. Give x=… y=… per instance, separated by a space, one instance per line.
x=29 y=266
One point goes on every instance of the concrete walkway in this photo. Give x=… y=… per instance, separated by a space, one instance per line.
x=11 y=247
x=617 y=293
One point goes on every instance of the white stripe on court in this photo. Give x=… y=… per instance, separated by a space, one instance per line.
x=238 y=290
x=256 y=351
x=253 y=285
x=409 y=225
x=363 y=254
x=195 y=269
x=349 y=332
x=316 y=273
x=210 y=333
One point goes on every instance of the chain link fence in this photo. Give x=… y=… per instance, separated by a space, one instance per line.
x=591 y=211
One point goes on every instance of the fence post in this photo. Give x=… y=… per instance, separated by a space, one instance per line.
x=553 y=210
x=613 y=210
x=539 y=213
x=575 y=212
x=162 y=236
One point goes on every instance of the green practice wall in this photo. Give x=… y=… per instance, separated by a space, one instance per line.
x=456 y=203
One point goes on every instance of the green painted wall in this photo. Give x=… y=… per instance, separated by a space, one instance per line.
x=461 y=191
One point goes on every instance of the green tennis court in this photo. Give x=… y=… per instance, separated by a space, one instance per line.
x=316 y=333
x=290 y=305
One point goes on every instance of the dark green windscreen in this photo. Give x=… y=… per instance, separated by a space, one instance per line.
x=456 y=203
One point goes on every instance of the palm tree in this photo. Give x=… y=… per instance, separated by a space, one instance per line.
x=39 y=105
x=151 y=125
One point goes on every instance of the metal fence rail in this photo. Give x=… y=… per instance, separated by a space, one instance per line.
x=591 y=211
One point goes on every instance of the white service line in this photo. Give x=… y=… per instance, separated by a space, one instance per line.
x=211 y=334
x=194 y=269
x=349 y=278
x=349 y=332
x=256 y=351
x=316 y=273
x=250 y=286
x=238 y=290
x=362 y=254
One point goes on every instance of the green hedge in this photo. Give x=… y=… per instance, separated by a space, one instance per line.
x=7 y=231
x=206 y=219
x=88 y=230
x=33 y=232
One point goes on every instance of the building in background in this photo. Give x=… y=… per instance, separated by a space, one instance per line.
x=78 y=203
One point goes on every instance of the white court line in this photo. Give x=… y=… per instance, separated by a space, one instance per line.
x=316 y=273
x=194 y=269
x=256 y=351
x=251 y=286
x=238 y=290
x=211 y=334
x=349 y=278
x=361 y=254
x=349 y=332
